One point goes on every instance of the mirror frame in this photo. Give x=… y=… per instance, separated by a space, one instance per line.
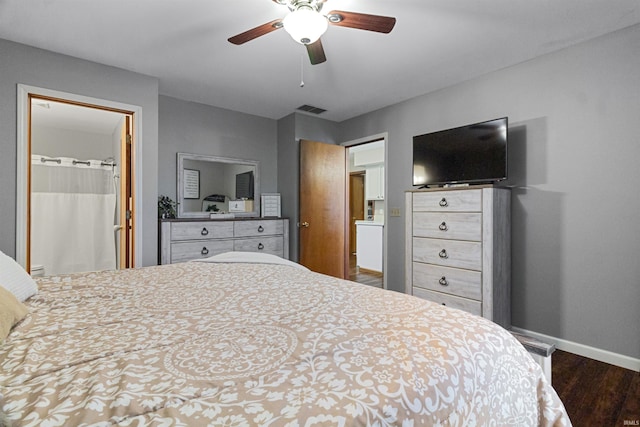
x=181 y=157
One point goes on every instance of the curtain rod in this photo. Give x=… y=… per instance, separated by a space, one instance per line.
x=75 y=162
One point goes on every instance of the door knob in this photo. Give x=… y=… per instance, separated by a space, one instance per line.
x=304 y=224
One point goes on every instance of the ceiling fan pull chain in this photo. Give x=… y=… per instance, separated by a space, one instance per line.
x=302 y=71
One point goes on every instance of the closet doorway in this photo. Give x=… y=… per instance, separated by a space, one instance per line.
x=79 y=196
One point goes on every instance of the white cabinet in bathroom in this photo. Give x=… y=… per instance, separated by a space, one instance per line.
x=369 y=245
x=374 y=182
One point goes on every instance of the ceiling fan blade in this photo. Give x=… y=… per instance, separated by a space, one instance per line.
x=256 y=32
x=362 y=21
x=316 y=52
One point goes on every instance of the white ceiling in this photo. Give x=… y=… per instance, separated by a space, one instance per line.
x=435 y=44
x=74 y=117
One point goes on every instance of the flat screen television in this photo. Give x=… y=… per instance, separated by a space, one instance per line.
x=475 y=153
x=244 y=185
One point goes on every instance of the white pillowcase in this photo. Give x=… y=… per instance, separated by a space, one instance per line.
x=15 y=279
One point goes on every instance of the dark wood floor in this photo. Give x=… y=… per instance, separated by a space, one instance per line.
x=595 y=393
x=366 y=277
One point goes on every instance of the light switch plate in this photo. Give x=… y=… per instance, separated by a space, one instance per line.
x=395 y=212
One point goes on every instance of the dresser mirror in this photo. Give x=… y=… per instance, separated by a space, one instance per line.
x=212 y=184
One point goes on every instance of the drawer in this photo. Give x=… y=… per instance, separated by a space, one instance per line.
x=273 y=245
x=258 y=228
x=186 y=251
x=470 y=306
x=448 y=253
x=453 y=281
x=451 y=201
x=201 y=230
x=448 y=225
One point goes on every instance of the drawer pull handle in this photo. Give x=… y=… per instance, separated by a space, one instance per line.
x=204 y=251
x=204 y=231
x=260 y=229
x=443 y=254
x=443 y=203
x=443 y=226
x=443 y=281
x=260 y=246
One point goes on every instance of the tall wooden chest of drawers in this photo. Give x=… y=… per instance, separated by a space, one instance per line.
x=458 y=249
x=188 y=239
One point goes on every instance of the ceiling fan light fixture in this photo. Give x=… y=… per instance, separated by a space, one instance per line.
x=305 y=25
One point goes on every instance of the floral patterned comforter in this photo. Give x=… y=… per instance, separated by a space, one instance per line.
x=198 y=344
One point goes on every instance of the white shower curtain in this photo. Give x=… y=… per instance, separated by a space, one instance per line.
x=72 y=215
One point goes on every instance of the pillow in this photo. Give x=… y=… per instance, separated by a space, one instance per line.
x=14 y=279
x=251 y=258
x=11 y=312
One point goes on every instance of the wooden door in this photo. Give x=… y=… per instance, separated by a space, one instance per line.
x=126 y=196
x=323 y=208
x=356 y=206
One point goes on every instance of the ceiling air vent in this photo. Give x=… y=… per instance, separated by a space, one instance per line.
x=311 y=109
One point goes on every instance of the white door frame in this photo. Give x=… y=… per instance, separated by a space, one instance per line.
x=384 y=136
x=22 y=158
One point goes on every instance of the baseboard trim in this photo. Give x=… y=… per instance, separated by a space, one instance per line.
x=585 y=350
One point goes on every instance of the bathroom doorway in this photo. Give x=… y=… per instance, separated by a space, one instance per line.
x=79 y=197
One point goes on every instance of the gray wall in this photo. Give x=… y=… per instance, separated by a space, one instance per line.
x=40 y=68
x=55 y=142
x=189 y=127
x=288 y=182
x=573 y=165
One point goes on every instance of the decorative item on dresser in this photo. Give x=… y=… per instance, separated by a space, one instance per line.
x=458 y=249
x=188 y=239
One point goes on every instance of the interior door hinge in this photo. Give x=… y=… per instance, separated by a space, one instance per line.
x=128 y=214
x=129 y=138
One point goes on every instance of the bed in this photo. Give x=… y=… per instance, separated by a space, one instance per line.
x=244 y=341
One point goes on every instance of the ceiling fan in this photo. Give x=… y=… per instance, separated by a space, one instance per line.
x=306 y=25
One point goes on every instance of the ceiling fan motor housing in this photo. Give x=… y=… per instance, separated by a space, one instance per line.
x=293 y=5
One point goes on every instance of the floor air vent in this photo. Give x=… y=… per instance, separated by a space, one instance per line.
x=311 y=109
